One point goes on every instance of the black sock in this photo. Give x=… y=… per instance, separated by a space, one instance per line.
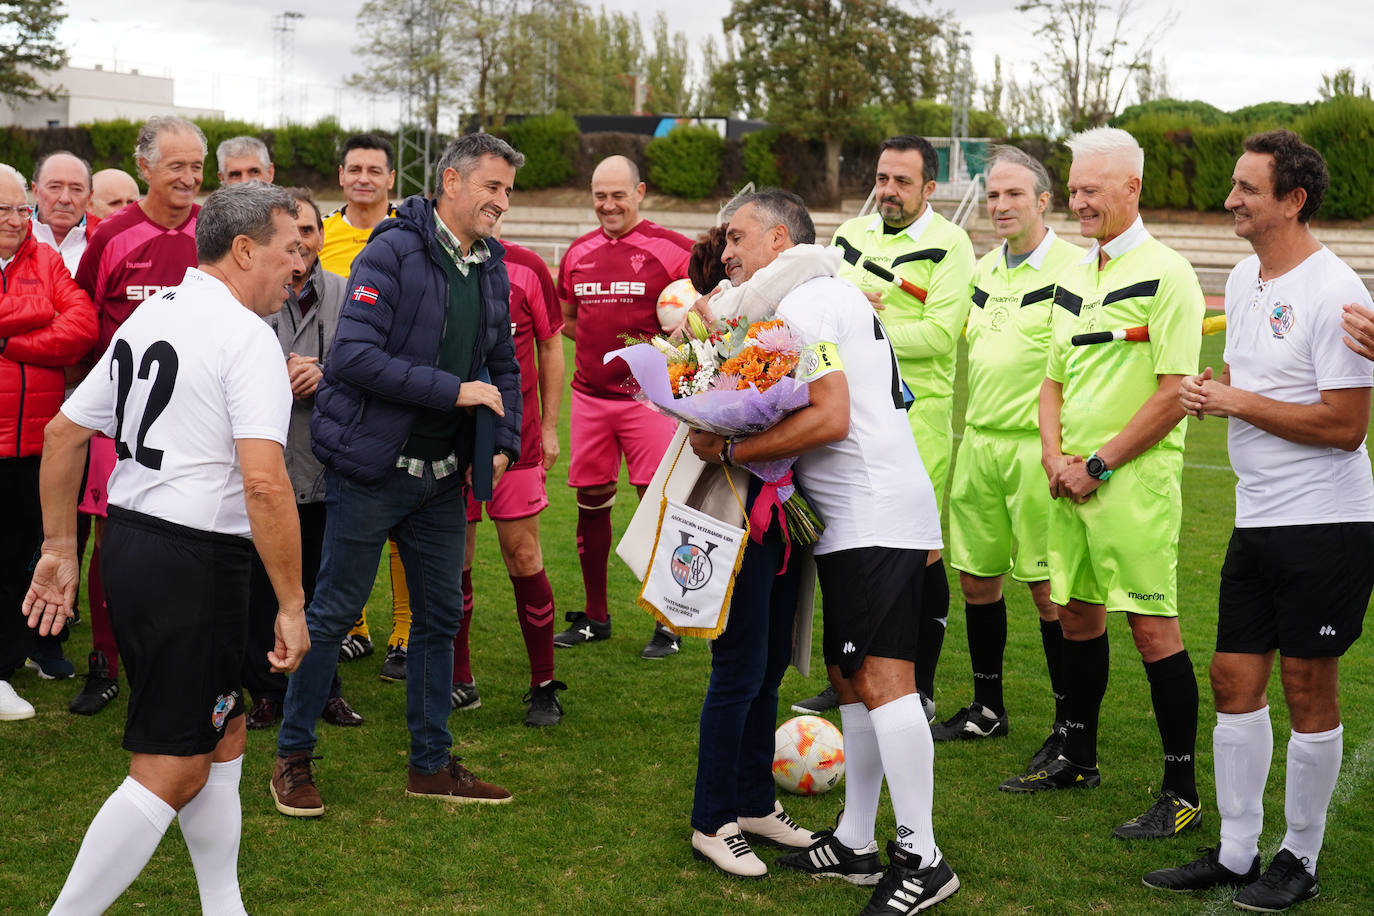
x=930 y=628
x=1085 y=684
x=1052 y=638
x=1173 y=690
x=987 y=639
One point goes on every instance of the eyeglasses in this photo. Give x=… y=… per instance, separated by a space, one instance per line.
x=22 y=212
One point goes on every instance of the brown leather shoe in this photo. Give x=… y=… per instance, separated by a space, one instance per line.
x=265 y=711
x=293 y=786
x=338 y=712
x=455 y=783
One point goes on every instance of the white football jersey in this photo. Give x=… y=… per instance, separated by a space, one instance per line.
x=870 y=488
x=188 y=373
x=1284 y=341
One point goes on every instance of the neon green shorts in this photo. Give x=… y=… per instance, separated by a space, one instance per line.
x=999 y=506
x=1120 y=548
x=932 y=425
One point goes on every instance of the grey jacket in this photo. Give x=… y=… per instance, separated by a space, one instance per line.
x=311 y=334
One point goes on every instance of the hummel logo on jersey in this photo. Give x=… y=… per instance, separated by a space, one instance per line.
x=1327 y=631
x=137 y=265
x=364 y=294
x=849 y=648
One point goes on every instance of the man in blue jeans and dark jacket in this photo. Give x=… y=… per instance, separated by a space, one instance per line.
x=427 y=312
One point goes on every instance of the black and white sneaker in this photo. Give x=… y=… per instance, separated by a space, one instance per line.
x=824 y=701
x=1169 y=816
x=828 y=858
x=970 y=723
x=908 y=888
x=1284 y=883
x=544 y=708
x=394 y=665
x=582 y=630
x=1051 y=749
x=355 y=647
x=99 y=688
x=1201 y=874
x=465 y=696
x=1059 y=773
x=663 y=643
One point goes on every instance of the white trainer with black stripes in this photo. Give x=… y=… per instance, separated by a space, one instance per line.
x=728 y=851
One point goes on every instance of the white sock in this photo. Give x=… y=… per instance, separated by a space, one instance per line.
x=863 y=777
x=909 y=765
x=1242 y=748
x=120 y=841
x=211 y=824
x=1314 y=762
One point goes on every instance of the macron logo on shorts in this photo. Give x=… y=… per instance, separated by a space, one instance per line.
x=364 y=294
x=1327 y=631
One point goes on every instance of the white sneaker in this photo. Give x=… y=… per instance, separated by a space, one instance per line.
x=728 y=851
x=777 y=829
x=13 y=706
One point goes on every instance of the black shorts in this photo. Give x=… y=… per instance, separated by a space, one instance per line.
x=870 y=602
x=1300 y=589
x=179 y=607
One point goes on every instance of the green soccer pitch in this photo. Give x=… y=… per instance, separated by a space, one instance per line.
x=599 y=823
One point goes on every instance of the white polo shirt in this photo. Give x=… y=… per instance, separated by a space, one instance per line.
x=188 y=373
x=1284 y=341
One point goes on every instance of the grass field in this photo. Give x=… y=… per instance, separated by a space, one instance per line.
x=599 y=824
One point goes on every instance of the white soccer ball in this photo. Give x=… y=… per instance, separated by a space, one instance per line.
x=677 y=297
x=808 y=756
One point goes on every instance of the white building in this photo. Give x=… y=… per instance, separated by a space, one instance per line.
x=86 y=95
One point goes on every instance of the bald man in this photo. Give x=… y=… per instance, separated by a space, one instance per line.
x=112 y=191
x=608 y=283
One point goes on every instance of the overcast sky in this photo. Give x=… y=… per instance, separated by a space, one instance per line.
x=221 y=54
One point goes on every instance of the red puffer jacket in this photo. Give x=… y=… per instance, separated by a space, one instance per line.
x=47 y=323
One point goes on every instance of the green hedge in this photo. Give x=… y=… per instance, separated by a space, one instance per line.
x=1342 y=130
x=686 y=162
x=549 y=143
x=759 y=152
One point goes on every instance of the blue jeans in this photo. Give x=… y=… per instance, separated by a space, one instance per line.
x=740 y=712
x=427 y=517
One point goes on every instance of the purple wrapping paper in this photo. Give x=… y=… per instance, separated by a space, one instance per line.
x=725 y=413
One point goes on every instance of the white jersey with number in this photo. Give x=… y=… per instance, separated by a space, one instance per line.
x=188 y=373
x=1284 y=341
x=870 y=488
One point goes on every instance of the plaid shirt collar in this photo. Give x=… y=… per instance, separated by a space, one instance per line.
x=454 y=248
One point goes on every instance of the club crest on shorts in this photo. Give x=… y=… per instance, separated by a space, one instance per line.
x=1281 y=319
x=691 y=564
x=223 y=706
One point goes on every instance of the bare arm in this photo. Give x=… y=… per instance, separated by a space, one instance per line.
x=1358 y=324
x=1160 y=413
x=52 y=593
x=1052 y=456
x=277 y=538
x=569 y=319
x=549 y=354
x=1339 y=419
x=824 y=420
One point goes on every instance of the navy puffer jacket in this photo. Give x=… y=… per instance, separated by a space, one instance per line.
x=382 y=369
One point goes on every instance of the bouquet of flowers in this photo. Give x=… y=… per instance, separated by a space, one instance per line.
x=733 y=378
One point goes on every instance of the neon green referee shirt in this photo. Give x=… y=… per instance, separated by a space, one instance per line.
x=1144 y=283
x=1009 y=333
x=937 y=256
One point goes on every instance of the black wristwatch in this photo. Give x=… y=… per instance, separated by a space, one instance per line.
x=1096 y=467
